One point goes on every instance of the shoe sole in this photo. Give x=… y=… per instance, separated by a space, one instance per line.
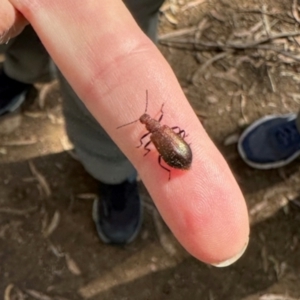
x=265 y=166
x=101 y=234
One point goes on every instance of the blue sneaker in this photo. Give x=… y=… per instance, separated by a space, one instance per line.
x=118 y=212
x=12 y=93
x=270 y=142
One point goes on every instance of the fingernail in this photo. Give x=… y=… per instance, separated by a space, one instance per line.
x=232 y=260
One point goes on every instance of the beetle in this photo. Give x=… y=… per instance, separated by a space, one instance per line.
x=171 y=146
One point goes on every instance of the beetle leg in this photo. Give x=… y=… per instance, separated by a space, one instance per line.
x=159 y=161
x=141 y=139
x=162 y=113
x=181 y=131
x=147 y=149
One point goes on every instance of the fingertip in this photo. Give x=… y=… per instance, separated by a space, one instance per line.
x=233 y=259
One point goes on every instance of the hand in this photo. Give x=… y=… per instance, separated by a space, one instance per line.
x=110 y=63
x=11 y=21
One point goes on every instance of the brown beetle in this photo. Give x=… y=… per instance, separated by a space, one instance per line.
x=170 y=145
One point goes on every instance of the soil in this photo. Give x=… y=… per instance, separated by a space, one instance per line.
x=233 y=72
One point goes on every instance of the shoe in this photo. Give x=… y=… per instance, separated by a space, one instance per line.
x=270 y=142
x=12 y=93
x=118 y=212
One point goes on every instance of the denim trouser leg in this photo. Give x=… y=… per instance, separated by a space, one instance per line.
x=26 y=60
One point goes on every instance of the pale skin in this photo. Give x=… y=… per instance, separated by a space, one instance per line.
x=110 y=63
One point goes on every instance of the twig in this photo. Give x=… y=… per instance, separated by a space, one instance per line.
x=276 y=15
x=245 y=33
x=202 y=25
x=177 y=33
x=233 y=45
x=53 y=224
x=170 y=18
x=229 y=75
x=243 y=104
x=72 y=265
x=271 y=80
x=56 y=251
x=215 y=14
x=192 y=4
x=40 y=178
x=285 y=53
x=266 y=21
x=264 y=40
x=7 y=291
x=202 y=46
x=37 y=295
x=209 y=62
x=17 y=212
x=295 y=10
x=27 y=142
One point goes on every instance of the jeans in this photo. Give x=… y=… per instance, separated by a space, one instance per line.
x=26 y=60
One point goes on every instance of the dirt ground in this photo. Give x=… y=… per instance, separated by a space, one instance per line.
x=236 y=61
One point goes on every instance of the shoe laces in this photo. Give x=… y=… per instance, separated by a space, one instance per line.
x=288 y=135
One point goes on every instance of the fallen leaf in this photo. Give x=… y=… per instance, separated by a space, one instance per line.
x=72 y=265
x=53 y=224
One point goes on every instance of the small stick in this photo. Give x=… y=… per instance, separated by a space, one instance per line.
x=72 y=265
x=271 y=81
x=202 y=25
x=233 y=45
x=186 y=45
x=243 y=104
x=37 y=295
x=17 y=212
x=40 y=178
x=266 y=21
x=192 y=4
x=56 y=251
x=27 y=142
x=7 y=291
x=53 y=224
x=245 y=33
x=209 y=62
x=285 y=53
x=177 y=33
x=295 y=10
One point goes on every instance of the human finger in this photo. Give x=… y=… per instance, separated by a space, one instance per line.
x=110 y=63
x=12 y=21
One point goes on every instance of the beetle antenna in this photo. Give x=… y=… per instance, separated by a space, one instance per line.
x=146 y=101
x=137 y=119
x=127 y=124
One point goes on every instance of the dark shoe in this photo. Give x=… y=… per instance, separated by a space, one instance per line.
x=12 y=93
x=118 y=212
x=270 y=142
